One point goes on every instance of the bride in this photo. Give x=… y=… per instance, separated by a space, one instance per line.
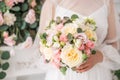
x=98 y=66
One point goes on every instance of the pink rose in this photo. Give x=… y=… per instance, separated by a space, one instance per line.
x=82 y=47
x=90 y=44
x=30 y=17
x=1 y=19
x=59 y=26
x=9 y=3
x=33 y=3
x=63 y=38
x=5 y=34
x=87 y=51
x=56 y=59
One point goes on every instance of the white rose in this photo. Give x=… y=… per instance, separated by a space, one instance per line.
x=71 y=56
x=69 y=28
x=53 y=25
x=78 y=21
x=56 y=45
x=78 y=42
x=9 y=18
x=56 y=38
x=47 y=52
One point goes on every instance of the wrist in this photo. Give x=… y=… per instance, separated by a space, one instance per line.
x=99 y=57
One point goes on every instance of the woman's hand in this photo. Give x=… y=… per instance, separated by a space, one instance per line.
x=91 y=61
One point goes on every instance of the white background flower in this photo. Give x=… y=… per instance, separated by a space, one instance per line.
x=9 y=18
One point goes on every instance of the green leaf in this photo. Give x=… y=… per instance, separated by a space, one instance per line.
x=79 y=30
x=90 y=21
x=63 y=70
x=0 y=65
x=93 y=52
x=44 y=41
x=26 y=33
x=24 y=7
x=67 y=20
x=43 y=36
x=23 y=25
x=16 y=8
x=3 y=7
x=74 y=16
x=84 y=56
x=58 y=20
x=5 y=55
x=2 y=75
x=34 y=25
x=70 y=37
x=4 y=28
x=5 y=66
x=117 y=73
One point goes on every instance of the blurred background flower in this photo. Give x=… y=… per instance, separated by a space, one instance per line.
x=19 y=17
x=19 y=20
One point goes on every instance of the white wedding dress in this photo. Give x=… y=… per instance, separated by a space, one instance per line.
x=101 y=71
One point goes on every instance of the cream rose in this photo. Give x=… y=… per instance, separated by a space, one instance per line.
x=91 y=34
x=71 y=56
x=47 y=52
x=69 y=28
x=9 y=18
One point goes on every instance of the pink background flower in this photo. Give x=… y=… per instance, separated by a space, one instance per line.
x=30 y=17
x=10 y=40
x=9 y=3
x=5 y=34
x=33 y=3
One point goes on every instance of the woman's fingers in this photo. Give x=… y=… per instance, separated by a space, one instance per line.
x=85 y=69
x=82 y=66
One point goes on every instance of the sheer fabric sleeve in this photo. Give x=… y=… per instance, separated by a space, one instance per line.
x=111 y=57
x=47 y=14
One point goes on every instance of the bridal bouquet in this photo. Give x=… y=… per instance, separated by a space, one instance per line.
x=68 y=42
